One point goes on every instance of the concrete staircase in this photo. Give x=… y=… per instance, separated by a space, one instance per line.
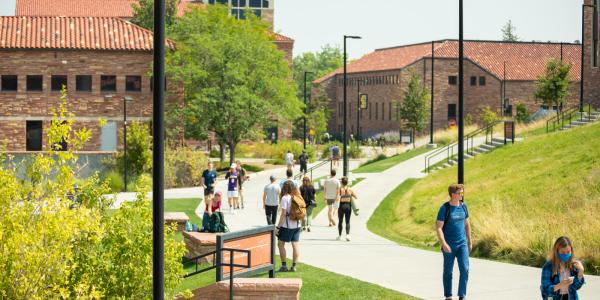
x=488 y=147
x=593 y=117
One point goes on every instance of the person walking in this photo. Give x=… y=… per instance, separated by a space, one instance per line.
x=562 y=274
x=271 y=200
x=454 y=233
x=232 y=188
x=346 y=197
x=303 y=158
x=289 y=174
x=242 y=177
x=331 y=192
x=308 y=194
x=335 y=156
x=211 y=206
x=288 y=229
x=289 y=159
x=209 y=177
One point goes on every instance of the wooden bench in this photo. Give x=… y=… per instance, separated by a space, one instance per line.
x=178 y=218
x=200 y=243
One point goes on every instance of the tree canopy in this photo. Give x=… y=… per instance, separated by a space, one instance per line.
x=414 y=108
x=509 y=32
x=234 y=77
x=553 y=85
x=143 y=13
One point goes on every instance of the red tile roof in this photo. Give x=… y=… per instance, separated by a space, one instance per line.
x=282 y=38
x=83 y=8
x=91 y=33
x=524 y=61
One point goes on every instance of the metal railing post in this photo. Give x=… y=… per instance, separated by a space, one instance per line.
x=230 y=274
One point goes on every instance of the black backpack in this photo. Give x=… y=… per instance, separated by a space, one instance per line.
x=447 y=207
x=216 y=223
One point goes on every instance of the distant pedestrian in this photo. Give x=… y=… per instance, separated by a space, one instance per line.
x=232 y=188
x=211 y=206
x=454 y=234
x=335 y=155
x=271 y=200
x=346 y=198
x=308 y=194
x=289 y=159
x=242 y=177
x=288 y=228
x=326 y=137
x=289 y=176
x=209 y=177
x=562 y=274
x=273 y=138
x=303 y=158
x=331 y=189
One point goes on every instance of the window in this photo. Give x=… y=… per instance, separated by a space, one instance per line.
x=482 y=80
x=508 y=111
x=383 y=111
x=33 y=136
x=370 y=111
x=452 y=80
x=108 y=83
x=62 y=146
x=238 y=3
x=57 y=82
x=9 y=83
x=83 y=83
x=390 y=111
x=35 y=82
x=265 y=3
x=108 y=137
x=133 y=83
x=255 y=3
x=452 y=112
x=376 y=111
x=473 y=80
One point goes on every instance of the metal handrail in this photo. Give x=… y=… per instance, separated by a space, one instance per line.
x=311 y=169
x=560 y=118
x=449 y=149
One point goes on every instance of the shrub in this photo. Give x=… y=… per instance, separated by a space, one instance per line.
x=379 y=157
x=214 y=153
x=275 y=162
x=354 y=150
x=139 y=155
x=522 y=114
x=183 y=167
x=274 y=151
x=115 y=181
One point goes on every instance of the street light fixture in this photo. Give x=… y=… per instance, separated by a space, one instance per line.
x=346 y=102
x=125 y=100
x=461 y=125
x=305 y=106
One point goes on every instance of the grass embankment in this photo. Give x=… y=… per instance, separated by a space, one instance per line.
x=521 y=198
x=316 y=284
x=381 y=164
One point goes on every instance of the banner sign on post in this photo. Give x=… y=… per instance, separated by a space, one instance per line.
x=364 y=101
x=406 y=136
x=509 y=131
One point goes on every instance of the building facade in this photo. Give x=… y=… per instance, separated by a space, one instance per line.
x=591 y=70
x=498 y=75
x=264 y=9
x=100 y=61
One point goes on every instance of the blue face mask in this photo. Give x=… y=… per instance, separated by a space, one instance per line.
x=564 y=257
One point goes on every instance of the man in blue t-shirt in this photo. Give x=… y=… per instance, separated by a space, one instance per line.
x=209 y=177
x=454 y=234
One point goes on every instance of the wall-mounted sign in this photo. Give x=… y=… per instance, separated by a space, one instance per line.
x=509 y=131
x=364 y=101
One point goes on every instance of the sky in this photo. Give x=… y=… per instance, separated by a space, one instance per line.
x=388 y=23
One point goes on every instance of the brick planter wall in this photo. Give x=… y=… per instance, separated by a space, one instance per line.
x=252 y=289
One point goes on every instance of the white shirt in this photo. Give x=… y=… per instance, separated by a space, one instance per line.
x=286 y=205
x=331 y=186
x=289 y=158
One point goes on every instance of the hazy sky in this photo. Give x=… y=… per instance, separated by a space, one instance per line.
x=386 y=23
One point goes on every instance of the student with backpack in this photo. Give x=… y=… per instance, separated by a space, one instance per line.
x=346 y=198
x=303 y=158
x=454 y=233
x=212 y=205
x=293 y=210
x=562 y=274
x=308 y=194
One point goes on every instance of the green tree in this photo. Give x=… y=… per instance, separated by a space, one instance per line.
x=553 y=86
x=414 y=108
x=143 y=13
x=59 y=242
x=139 y=154
x=321 y=63
x=489 y=118
x=509 y=32
x=234 y=77
x=522 y=114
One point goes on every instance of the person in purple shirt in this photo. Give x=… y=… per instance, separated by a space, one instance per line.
x=232 y=188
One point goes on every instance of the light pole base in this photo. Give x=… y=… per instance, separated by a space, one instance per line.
x=431 y=146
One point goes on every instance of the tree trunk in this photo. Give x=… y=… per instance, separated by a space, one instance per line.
x=231 y=153
x=413 y=139
x=221 y=152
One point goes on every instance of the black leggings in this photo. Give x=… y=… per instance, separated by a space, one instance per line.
x=271 y=212
x=344 y=210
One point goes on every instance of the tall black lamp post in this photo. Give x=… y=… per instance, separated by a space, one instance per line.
x=346 y=103
x=158 y=154
x=125 y=100
x=461 y=125
x=581 y=87
x=432 y=93
x=305 y=106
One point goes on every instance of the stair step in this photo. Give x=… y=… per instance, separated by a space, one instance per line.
x=446 y=165
x=579 y=123
x=453 y=162
x=498 y=144
x=498 y=140
x=488 y=147
x=480 y=150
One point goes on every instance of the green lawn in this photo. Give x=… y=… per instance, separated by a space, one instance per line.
x=521 y=198
x=188 y=206
x=322 y=204
x=382 y=165
x=316 y=284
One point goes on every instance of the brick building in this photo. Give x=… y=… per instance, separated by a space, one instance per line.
x=591 y=72
x=493 y=71
x=100 y=60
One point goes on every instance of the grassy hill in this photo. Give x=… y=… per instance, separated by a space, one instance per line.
x=521 y=198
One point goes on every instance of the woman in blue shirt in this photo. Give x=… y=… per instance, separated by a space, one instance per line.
x=562 y=275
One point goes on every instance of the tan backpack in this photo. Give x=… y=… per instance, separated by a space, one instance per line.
x=298 y=210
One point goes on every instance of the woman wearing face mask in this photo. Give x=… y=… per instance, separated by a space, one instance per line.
x=562 y=275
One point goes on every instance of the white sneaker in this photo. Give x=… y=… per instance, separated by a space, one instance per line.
x=339 y=238
x=348 y=238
